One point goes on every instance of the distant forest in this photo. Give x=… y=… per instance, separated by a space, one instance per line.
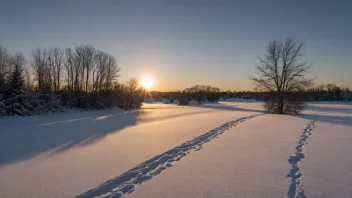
x=203 y=93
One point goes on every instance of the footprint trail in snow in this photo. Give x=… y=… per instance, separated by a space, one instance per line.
x=126 y=182
x=296 y=188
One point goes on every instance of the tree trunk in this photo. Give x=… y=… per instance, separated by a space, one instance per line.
x=58 y=81
x=280 y=107
x=87 y=81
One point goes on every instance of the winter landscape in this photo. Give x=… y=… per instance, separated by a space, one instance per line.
x=230 y=149
x=175 y=99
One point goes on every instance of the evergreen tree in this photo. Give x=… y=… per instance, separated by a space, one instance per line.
x=16 y=101
x=16 y=82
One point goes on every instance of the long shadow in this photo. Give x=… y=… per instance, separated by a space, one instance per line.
x=340 y=120
x=225 y=107
x=24 y=138
x=330 y=109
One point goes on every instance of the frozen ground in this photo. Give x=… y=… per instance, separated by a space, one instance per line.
x=165 y=150
x=243 y=162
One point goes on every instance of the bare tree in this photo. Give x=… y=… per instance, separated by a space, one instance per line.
x=330 y=87
x=99 y=71
x=79 y=68
x=89 y=62
x=69 y=62
x=85 y=57
x=131 y=85
x=105 y=71
x=50 y=72
x=28 y=82
x=39 y=65
x=4 y=65
x=112 y=72
x=284 y=74
x=58 y=58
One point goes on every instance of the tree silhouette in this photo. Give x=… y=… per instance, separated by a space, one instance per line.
x=283 y=74
x=16 y=82
x=4 y=65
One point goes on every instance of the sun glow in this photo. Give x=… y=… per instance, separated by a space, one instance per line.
x=147 y=82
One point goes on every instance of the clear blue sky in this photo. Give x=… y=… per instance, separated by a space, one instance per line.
x=186 y=42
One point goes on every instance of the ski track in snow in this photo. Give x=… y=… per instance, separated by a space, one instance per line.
x=296 y=188
x=125 y=183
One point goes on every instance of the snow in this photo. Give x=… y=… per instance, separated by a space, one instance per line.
x=328 y=165
x=157 y=164
x=243 y=162
x=166 y=150
x=295 y=174
x=65 y=155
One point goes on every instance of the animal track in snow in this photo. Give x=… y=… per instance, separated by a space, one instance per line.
x=296 y=188
x=125 y=183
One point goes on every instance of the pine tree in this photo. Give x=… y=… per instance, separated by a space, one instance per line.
x=17 y=100
x=16 y=82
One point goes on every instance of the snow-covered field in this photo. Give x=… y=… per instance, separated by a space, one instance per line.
x=230 y=149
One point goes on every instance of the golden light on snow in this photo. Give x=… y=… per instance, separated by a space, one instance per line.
x=147 y=82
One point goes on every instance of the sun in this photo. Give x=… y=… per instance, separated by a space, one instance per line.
x=147 y=82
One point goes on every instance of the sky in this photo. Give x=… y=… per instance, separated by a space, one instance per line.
x=187 y=42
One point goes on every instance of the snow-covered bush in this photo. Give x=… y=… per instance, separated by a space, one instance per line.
x=103 y=100
x=131 y=100
x=46 y=103
x=2 y=108
x=171 y=99
x=24 y=103
x=183 y=99
x=293 y=103
x=18 y=104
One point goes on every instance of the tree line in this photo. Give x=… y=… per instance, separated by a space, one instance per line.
x=82 y=69
x=199 y=93
x=80 y=77
x=329 y=92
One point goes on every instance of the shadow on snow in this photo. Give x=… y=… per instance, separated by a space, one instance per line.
x=332 y=109
x=221 y=106
x=38 y=134
x=340 y=120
